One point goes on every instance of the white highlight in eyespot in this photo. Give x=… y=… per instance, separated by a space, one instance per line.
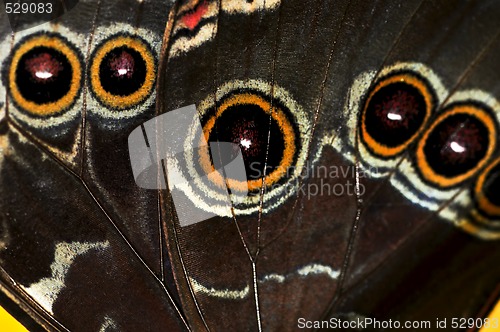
x=43 y=74
x=46 y=290
x=246 y=143
x=302 y=272
x=394 y=116
x=455 y=146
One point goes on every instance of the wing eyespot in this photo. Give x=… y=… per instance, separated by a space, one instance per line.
x=450 y=166
x=457 y=144
x=247 y=119
x=271 y=132
x=487 y=190
x=45 y=75
x=122 y=72
x=396 y=111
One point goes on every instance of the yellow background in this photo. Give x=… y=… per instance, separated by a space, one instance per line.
x=8 y=323
x=495 y=313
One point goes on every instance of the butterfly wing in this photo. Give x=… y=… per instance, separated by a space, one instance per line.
x=375 y=251
x=329 y=228
x=91 y=257
x=420 y=287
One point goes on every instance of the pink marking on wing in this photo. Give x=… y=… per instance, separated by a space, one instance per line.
x=192 y=19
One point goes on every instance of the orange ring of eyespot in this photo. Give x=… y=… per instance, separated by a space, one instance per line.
x=474 y=111
x=115 y=101
x=286 y=129
x=477 y=227
x=482 y=201
x=417 y=83
x=64 y=102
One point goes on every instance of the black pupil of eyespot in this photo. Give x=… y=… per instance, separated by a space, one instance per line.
x=248 y=126
x=122 y=71
x=43 y=75
x=394 y=114
x=456 y=145
x=491 y=187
